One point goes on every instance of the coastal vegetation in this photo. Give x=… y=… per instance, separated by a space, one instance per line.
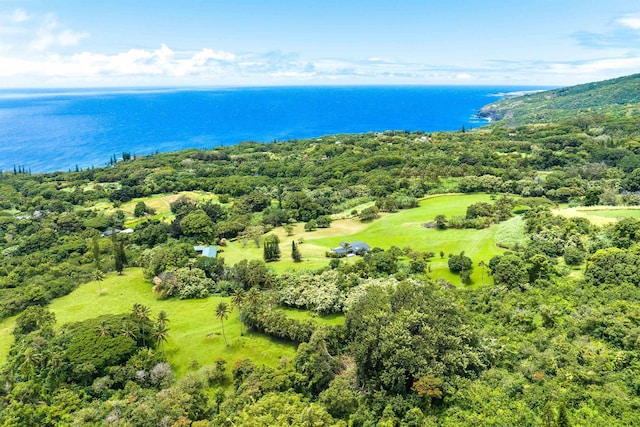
x=485 y=277
x=618 y=97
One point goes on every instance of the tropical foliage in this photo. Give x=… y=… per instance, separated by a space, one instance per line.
x=549 y=336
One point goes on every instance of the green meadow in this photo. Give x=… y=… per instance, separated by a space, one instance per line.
x=195 y=335
x=600 y=215
x=401 y=229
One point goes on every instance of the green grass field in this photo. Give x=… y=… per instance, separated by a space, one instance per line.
x=194 y=335
x=403 y=228
x=6 y=337
x=615 y=213
x=600 y=215
x=161 y=203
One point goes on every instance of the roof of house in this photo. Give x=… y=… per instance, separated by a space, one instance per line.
x=110 y=231
x=354 y=247
x=208 y=251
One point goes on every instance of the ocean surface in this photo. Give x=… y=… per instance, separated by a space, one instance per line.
x=49 y=130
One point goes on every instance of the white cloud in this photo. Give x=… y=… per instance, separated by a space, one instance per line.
x=631 y=21
x=70 y=38
x=19 y=16
x=207 y=54
x=620 y=66
x=134 y=62
x=50 y=35
x=47 y=64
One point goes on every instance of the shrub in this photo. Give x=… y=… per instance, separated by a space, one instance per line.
x=323 y=221
x=573 y=255
x=369 y=214
x=459 y=263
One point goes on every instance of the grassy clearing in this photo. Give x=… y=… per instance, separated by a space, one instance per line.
x=346 y=212
x=6 y=337
x=195 y=334
x=160 y=202
x=615 y=213
x=313 y=255
x=403 y=228
x=600 y=215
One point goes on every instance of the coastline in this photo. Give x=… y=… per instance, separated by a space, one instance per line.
x=50 y=130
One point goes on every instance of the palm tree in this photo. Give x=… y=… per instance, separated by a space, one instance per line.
x=252 y=297
x=162 y=318
x=98 y=276
x=346 y=247
x=237 y=300
x=222 y=313
x=103 y=329
x=128 y=330
x=140 y=315
x=482 y=265
x=140 y=311
x=31 y=359
x=160 y=334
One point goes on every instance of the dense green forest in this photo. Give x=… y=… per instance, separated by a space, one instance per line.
x=548 y=336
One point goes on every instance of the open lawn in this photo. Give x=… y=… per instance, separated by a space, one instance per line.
x=160 y=202
x=600 y=215
x=194 y=335
x=403 y=228
x=6 y=337
x=347 y=212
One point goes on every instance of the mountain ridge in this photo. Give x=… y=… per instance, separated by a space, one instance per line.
x=616 y=97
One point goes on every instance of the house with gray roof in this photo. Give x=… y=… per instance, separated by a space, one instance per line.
x=351 y=249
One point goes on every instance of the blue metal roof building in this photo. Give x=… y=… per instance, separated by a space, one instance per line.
x=208 y=251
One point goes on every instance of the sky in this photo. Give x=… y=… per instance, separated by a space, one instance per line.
x=121 y=43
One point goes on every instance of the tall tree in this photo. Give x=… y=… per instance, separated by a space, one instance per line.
x=119 y=256
x=482 y=265
x=141 y=315
x=346 y=247
x=98 y=276
x=222 y=313
x=238 y=299
x=163 y=319
x=32 y=358
x=140 y=209
x=160 y=333
x=271 y=251
x=295 y=252
x=95 y=249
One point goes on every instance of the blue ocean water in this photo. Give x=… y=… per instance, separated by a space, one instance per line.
x=48 y=130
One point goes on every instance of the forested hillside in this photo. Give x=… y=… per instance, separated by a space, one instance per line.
x=618 y=97
x=513 y=302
